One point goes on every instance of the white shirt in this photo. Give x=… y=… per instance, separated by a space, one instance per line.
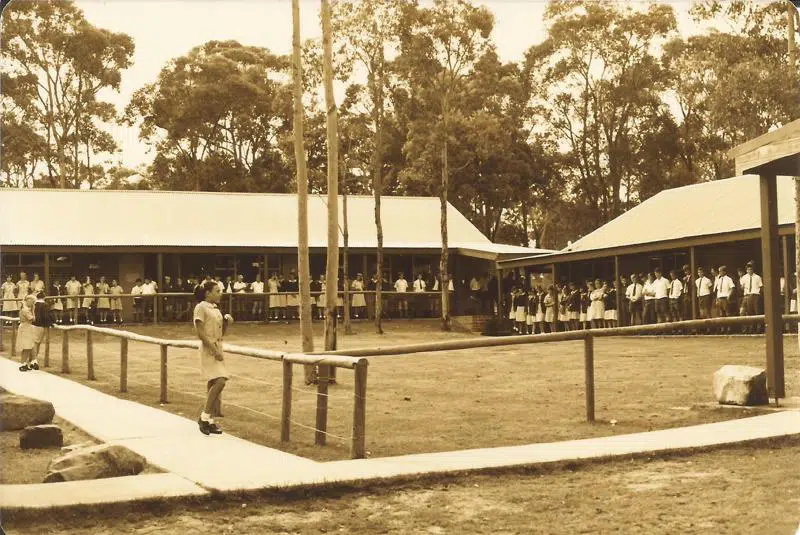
x=634 y=292
x=419 y=285
x=401 y=285
x=661 y=287
x=136 y=290
x=676 y=289
x=724 y=286
x=239 y=287
x=751 y=284
x=449 y=286
x=257 y=287
x=649 y=291
x=474 y=285
x=148 y=289
x=73 y=287
x=703 y=286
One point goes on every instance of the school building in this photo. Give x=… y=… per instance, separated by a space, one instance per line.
x=708 y=224
x=126 y=235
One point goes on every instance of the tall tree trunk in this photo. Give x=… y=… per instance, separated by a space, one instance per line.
x=306 y=334
x=76 y=171
x=332 y=267
x=348 y=327
x=377 y=187
x=526 y=241
x=791 y=11
x=443 y=202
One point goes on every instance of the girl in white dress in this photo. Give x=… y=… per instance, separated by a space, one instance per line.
x=103 y=304
x=57 y=305
x=86 y=304
x=322 y=300
x=550 y=303
x=116 y=302
x=23 y=288
x=359 y=303
x=211 y=326
x=73 y=287
x=274 y=300
x=598 y=306
x=10 y=308
x=26 y=334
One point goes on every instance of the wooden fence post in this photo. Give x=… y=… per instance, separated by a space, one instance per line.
x=123 y=364
x=286 y=406
x=163 y=373
x=588 y=361
x=358 y=446
x=65 y=351
x=13 y=340
x=89 y=356
x=47 y=347
x=322 y=405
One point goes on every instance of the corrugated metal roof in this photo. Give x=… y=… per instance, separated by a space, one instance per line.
x=203 y=219
x=708 y=208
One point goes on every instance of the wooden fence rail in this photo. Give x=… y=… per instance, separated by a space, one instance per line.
x=288 y=360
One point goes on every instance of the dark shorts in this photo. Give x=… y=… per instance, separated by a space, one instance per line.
x=751 y=304
x=662 y=306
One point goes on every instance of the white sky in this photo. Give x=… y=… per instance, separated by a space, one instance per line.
x=166 y=29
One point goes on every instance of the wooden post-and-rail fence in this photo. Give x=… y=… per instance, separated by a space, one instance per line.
x=357 y=364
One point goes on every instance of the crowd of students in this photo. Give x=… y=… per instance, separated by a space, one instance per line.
x=277 y=299
x=647 y=298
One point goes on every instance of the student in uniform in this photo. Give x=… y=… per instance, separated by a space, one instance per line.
x=401 y=287
x=57 y=305
x=37 y=284
x=715 y=283
x=116 y=302
x=86 y=304
x=533 y=308
x=704 y=288
x=149 y=291
x=550 y=305
x=649 y=299
x=136 y=292
x=739 y=293
x=283 y=299
x=239 y=288
x=686 y=300
x=660 y=288
x=598 y=307
x=611 y=314
x=540 y=309
x=211 y=327
x=359 y=303
x=41 y=322
x=634 y=296
x=23 y=287
x=103 y=303
x=574 y=307
x=583 y=317
x=751 y=285
x=26 y=334
x=273 y=287
x=292 y=300
x=675 y=294
x=723 y=289
x=563 y=303
x=521 y=313
x=341 y=283
x=257 y=287
x=10 y=305
x=419 y=286
x=322 y=300
x=73 y=287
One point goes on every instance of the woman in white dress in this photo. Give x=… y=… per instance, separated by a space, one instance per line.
x=57 y=305
x=274 y=300
x=26 y=333
x=116 y=302
x=550 y=304
x=359 y=303
x=10 y=308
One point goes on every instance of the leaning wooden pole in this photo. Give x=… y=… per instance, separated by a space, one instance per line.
x=303 y=268
x=332 y=268
x=377 y=185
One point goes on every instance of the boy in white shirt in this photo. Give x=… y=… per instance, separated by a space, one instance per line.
x=258 y=298
x=723 y=287
x=149 y=289
x=751 y=287
x=660 y=288
x=401 y=286
x=634 y=296
x=136 y=292
x=704 y=288
x=675 y=293
x=239 y=287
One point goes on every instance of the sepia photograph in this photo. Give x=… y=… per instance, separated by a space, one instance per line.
x=399 y=267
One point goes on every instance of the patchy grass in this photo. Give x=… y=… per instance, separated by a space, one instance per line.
x=30 y=466
x=446 y=400
x=745 y=489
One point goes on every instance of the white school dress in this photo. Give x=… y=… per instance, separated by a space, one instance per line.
x=103 y=302
x=520 y=316
x=8 y=293
x=57 y=304
x=26 y=335
x=88 y=289
x=272 y=289
x=358 y=298
x=73 y=288
x=322 y=299
x=23 y=289
x=211 y=321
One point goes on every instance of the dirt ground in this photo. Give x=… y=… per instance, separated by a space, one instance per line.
x=745 y=490
x=446 y=400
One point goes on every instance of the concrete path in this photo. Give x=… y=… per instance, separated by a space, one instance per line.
x=196 y=464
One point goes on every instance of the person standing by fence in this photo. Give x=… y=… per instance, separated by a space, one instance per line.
x=211 y=326
x=10 y=306
x=751 y=284
x=634 y=294
x=704 y=287
x=26 y=334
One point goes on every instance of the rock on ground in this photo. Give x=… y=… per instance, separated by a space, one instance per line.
x=740 y=385
x=19 y=412
x=41 y=436
x=95 y=462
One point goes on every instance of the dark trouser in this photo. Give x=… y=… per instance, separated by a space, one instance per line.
x=722 y=307
x=662 y=310
x=675 y=309
x=752 y=304
x=649 y=311
x=635 y=308
x=704 y=304
x=687 y=306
